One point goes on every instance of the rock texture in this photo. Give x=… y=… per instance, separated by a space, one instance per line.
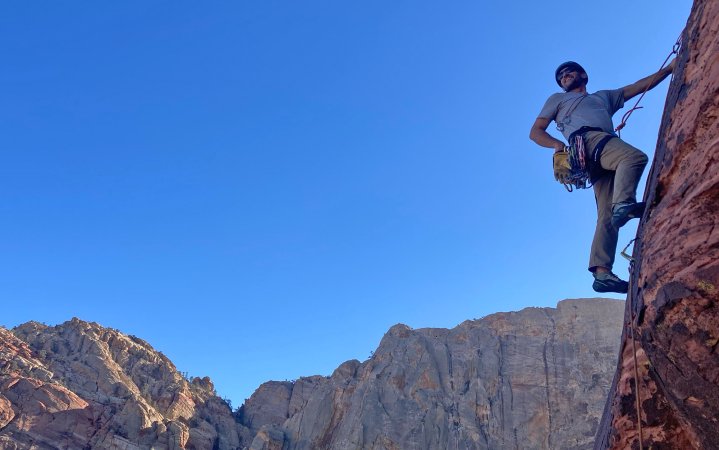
x=79 y=385
x=672 y=312
x=534 y=379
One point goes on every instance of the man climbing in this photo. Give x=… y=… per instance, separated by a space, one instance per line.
x=615 y=167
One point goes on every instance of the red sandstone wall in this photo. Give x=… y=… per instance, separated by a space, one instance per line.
x=672 y=303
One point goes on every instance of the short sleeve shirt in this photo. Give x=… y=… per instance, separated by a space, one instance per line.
x=573 y=110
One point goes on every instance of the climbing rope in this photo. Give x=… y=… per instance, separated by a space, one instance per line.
x=632 y=326
x=636 y=386
x=675 y=50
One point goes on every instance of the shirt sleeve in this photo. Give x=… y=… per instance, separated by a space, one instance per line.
x=550 y=109
x=614 y=99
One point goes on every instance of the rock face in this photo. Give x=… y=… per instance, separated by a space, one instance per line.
x=79 y=385
x=672 y=307
x=535 y=379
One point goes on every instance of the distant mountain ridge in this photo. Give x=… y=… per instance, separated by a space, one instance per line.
x=537 y=378
x=533 y=379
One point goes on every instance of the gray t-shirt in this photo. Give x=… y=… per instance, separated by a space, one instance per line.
x=573 y=110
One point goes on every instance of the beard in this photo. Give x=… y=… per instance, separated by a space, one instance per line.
x=576 y=82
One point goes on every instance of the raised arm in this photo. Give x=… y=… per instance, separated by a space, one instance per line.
x=649 y=82
x=539 y=134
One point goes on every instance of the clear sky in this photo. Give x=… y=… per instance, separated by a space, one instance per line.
x=260 y=189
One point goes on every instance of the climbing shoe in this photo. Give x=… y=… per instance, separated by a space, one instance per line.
x=608 y=282
x=622 y=212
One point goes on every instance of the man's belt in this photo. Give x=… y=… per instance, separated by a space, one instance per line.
x=581 y=131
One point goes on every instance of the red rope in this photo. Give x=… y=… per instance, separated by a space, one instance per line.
x=626 y=115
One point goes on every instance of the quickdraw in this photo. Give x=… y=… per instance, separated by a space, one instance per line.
x=626 y=255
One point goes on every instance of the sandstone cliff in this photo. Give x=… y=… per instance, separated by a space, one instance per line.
x=79 y=385
x=537 y=378
x=672 y=305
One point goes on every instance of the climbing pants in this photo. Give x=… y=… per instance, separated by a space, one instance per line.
x=615 y=177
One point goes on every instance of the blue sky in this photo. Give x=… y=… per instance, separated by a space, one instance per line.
x=261 y=189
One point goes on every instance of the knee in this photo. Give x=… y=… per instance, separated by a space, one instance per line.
x=636 y=158
x=628 y=154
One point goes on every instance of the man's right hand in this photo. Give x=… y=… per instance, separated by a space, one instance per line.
x=539 y=134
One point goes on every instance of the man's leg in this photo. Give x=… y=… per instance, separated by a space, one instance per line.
x=604 y=244
x=628 y=163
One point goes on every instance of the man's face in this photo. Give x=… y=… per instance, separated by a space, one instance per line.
x=570 y=78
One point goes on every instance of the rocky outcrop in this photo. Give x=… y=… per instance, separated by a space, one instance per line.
x=530 y=379
x=79 y=385
x=534 y=379
x=666 y=389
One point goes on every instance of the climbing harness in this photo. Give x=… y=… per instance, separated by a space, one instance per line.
x=625 y=117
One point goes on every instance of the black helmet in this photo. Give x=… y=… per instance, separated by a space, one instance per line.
x=573 y=65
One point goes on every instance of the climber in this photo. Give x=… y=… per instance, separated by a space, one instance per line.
x=615 y=167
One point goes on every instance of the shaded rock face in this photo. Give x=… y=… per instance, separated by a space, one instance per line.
x=79 y=385
x=534 y=379
x=672 y=305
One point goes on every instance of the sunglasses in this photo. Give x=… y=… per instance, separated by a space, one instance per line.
x=565 y=71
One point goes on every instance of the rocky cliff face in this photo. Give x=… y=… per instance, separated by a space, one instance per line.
x=79 y=385
x=666 y=389
x=537 y=378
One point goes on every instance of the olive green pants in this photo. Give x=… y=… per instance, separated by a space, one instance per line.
x=616 y=177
